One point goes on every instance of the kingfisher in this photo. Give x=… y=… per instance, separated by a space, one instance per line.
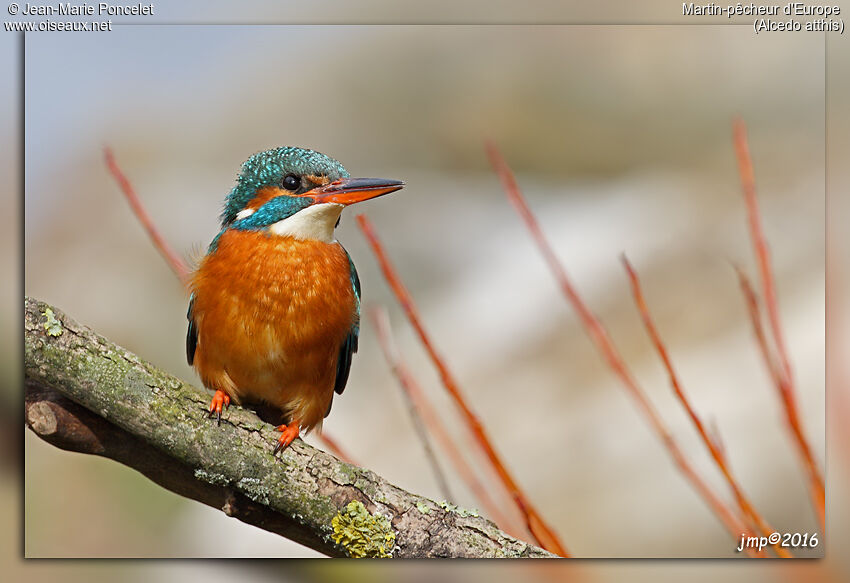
x=274 y=309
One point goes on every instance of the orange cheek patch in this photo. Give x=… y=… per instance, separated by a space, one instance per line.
x=318 y=180
x=263 y=196
x=266 y=193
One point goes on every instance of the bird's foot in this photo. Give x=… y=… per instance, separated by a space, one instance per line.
x=220 y=400
x=288 y=433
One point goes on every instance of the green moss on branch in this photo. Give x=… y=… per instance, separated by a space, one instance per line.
x=127 y=409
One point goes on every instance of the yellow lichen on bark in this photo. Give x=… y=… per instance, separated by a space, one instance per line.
x=362 y=534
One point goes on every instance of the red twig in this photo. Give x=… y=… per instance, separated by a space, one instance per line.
x=748 y=184
x=385 y=338
x=817 y=494
x=603 y=343
x=755 y=319
x=785 y=384
x=433 y=420
x=711 y=443
x=544 y=535
x=175 y=262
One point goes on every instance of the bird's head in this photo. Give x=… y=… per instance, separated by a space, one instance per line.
x=296 y=192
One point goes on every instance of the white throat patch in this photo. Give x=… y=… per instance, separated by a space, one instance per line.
x=314 y=222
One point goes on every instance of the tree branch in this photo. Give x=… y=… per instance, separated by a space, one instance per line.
x=86 y=394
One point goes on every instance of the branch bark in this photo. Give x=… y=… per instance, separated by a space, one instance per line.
x=86 y=394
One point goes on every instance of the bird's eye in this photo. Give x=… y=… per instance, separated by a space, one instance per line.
x=291 y=182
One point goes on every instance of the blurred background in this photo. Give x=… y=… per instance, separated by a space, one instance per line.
x=621 y=140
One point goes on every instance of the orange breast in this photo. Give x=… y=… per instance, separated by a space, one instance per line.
x=271 y=314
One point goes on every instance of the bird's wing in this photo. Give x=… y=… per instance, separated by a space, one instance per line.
x=191 y=333
x=349 y=345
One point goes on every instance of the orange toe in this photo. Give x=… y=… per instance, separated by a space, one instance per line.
x=288 y=433
x=220 y=400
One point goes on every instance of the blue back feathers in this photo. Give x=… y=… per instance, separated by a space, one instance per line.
x=349 y=346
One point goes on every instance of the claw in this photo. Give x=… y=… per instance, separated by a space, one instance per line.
x=220 y=400
x=288 y=433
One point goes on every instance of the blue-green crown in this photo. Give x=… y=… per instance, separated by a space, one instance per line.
x=270 y=167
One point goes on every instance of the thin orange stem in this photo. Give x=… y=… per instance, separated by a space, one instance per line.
x=711 y=443
x=433 y=421
x=174 y=261
x=391 y=353
x=542 y=533
x=600 y=338
x=748 y=184
x=785 y=386
x=755 y=319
